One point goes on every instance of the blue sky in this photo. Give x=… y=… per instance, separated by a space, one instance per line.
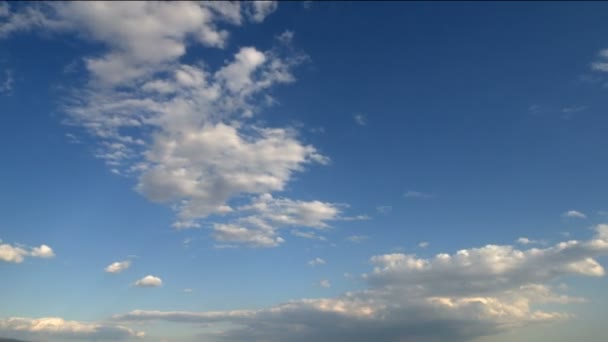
x=287 y=172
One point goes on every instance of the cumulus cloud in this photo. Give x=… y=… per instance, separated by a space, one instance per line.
x=185 y=131
x=118 y=266
x=423 y=244
x=18 y=253
x=149 y=281
x=457 y=297
x=574 y=214
x=56 y=327
x=316 y=261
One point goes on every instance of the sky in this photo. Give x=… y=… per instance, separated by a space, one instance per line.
x=329 y=171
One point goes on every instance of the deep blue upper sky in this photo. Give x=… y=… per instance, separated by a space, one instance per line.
x=458 y=124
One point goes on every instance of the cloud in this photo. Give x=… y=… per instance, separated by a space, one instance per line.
x=187 y=291
x=185 y=132
x=17 y=254
x=601 y=64
x=360 y=119
x=423 y=244
x=417 y=194
x=149 y=281
x=118 y=266
x=384 y=209
x=324 y=283
x=574 y=214
x=357 y=238
x=573 y=109
x=6 y=85
x=316 y=261
x=525 y=241
x=259 y=221
x=55 y=327
x=308 y=235
x=457 y=297
x=261 y=9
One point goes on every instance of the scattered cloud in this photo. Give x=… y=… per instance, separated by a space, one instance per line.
x=423 y=244
x=457 y=297
x=149 y=281
x=17 y=253
x=324 y=283
x=187 y=291
x=118 y=266
x=56 y=327
x=417 y=194
x=360 y=119
x=603 y=212
x=357 y=238
x=574 y=214
x=384 y=209
x=316 y=262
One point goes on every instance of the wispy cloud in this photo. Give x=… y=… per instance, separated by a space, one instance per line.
x=417 y=194
x=384 y=209
x=357 y=238
x=316 y=262
x=6 y=84
x=324 y=283
x=360 y=119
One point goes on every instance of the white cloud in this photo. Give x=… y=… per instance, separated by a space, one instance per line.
x=191 y=143
x=308 y=235
x=17 y=254
x=261 y=9
x=118 y=266
x=149 y=281
x=423 y=244
x=574 y=214
x=360 y=119
x=324 y=283
x=316 y=262
x=457 y=297
x=56 y=327
x=417 y=194
x=601 y=64
x=187 y=291
x=357 y=238
x=525 y=241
